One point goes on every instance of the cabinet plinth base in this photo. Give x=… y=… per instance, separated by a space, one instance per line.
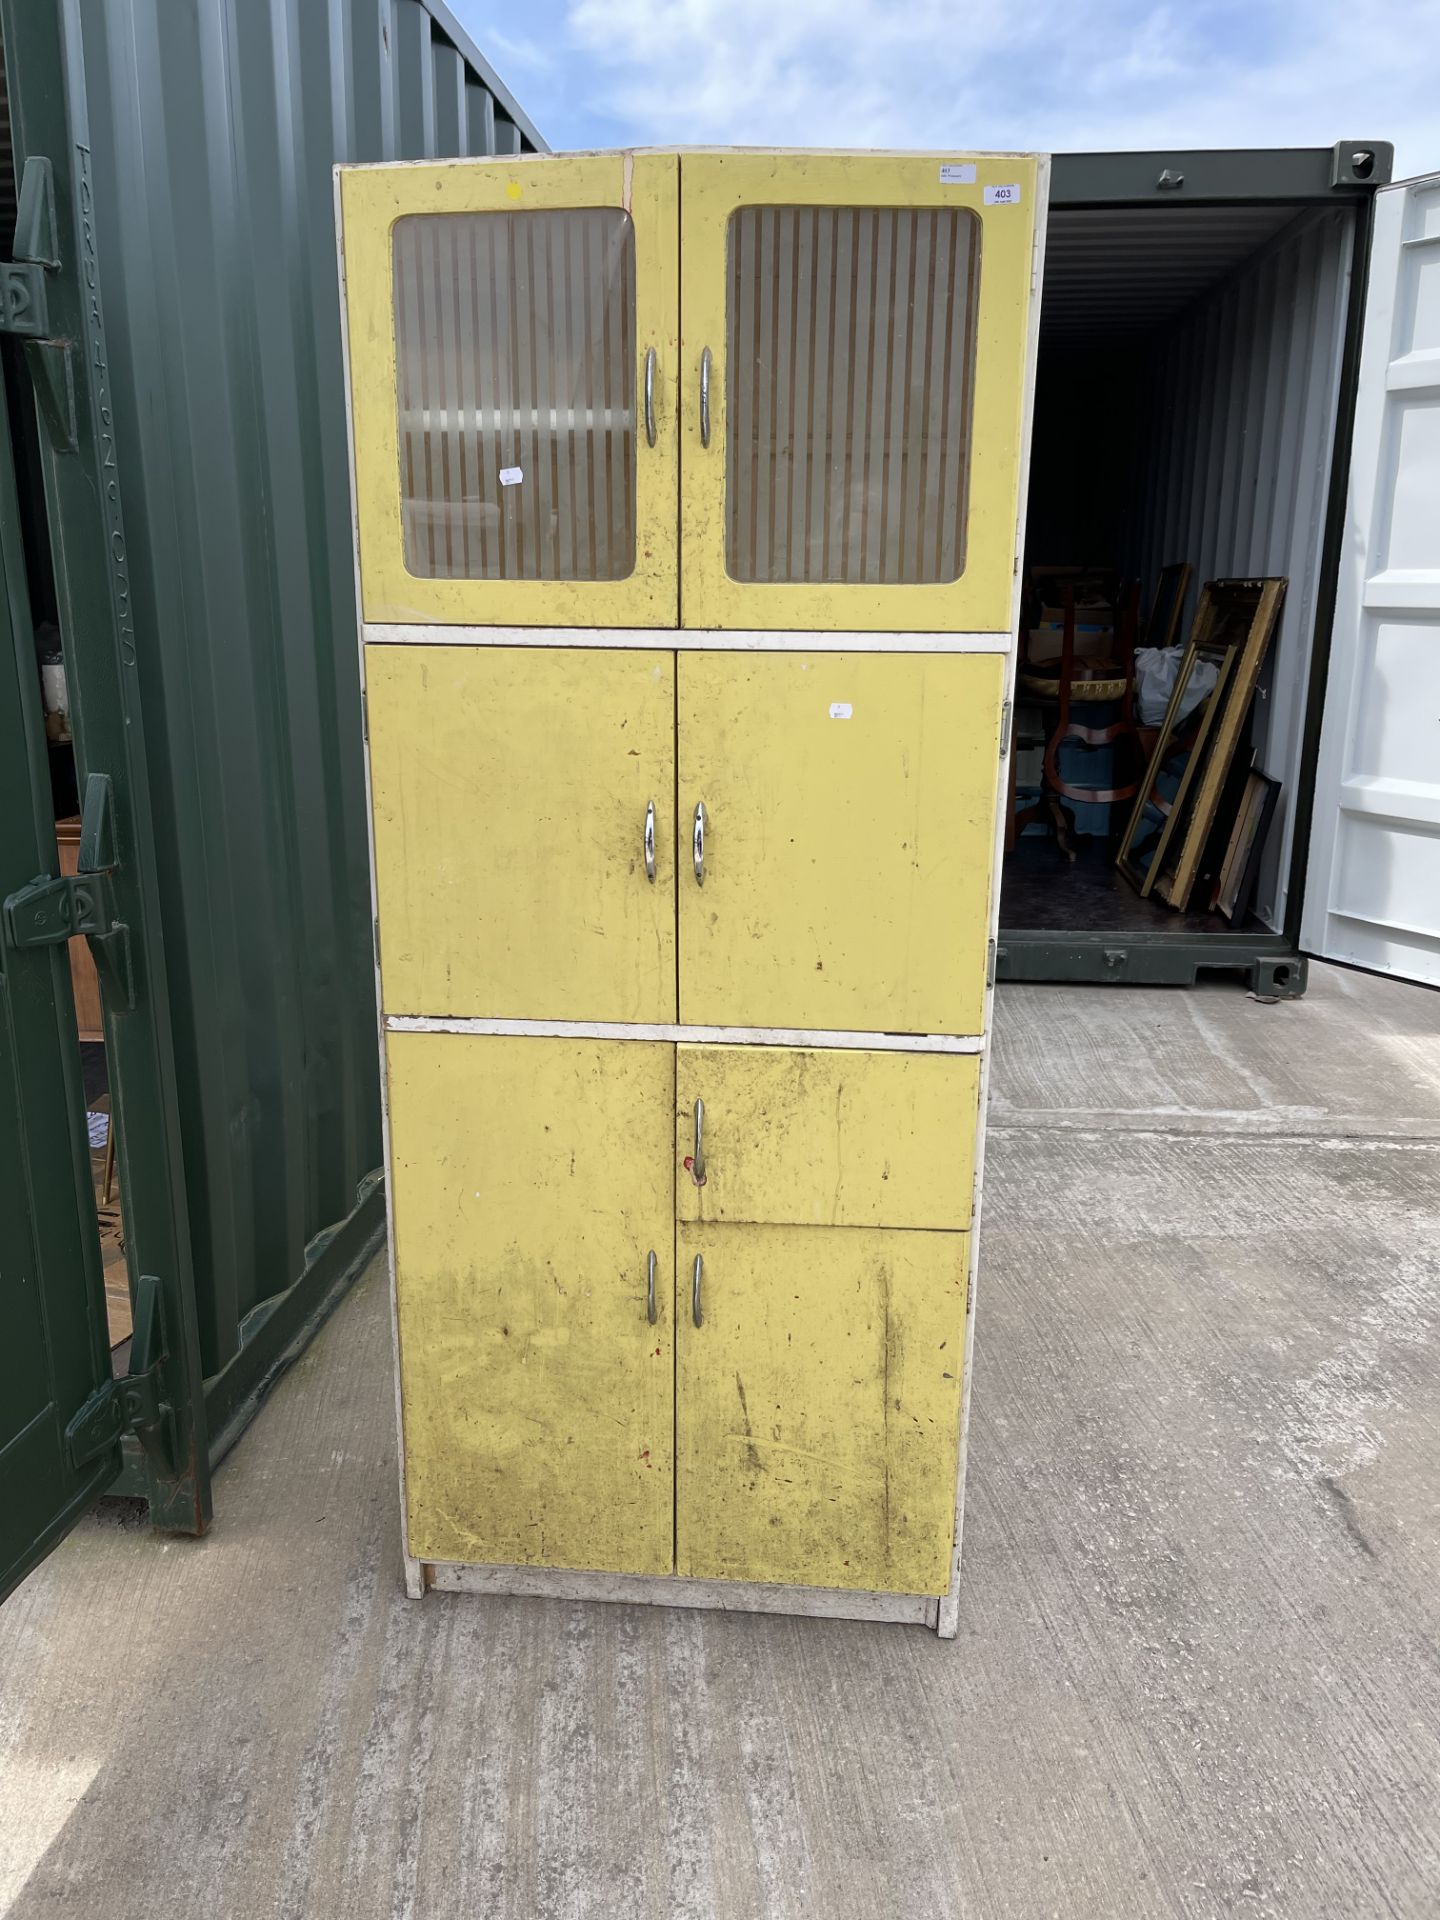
x=719 y=1596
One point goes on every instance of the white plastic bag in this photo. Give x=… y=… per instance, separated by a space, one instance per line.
x=1155 y=671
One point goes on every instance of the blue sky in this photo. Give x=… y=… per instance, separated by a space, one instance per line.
x=1048 y=74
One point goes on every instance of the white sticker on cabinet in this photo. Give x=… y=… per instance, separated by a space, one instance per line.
x=840 y=709
x=1002 y=196
x=511 y=476
x=957 y=173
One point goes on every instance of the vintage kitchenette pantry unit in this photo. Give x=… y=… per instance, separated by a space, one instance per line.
x=687 y=496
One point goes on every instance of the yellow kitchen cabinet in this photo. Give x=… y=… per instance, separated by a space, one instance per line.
x=687 y=494
x=531 y=1186
x=523 y=809
x=817 y=1395
x=842 y=814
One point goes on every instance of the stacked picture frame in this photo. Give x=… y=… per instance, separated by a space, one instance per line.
x=1166 y=836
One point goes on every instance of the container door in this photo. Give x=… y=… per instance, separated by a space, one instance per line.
x=856 y=346
x=55 y=1348
x=531 y=1186
x=513 y=337
x=81 y=460
x=839 y=810
x=524 y=831
x=1372 y=895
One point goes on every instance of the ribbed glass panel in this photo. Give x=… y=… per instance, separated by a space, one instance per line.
x=850 y=367
x=516 y=388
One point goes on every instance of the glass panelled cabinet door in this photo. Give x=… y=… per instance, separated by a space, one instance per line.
x=513 y=360
x=807 y=418
x=854 y=342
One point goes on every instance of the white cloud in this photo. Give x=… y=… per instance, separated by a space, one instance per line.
x=1091 y=74
x=511 y=55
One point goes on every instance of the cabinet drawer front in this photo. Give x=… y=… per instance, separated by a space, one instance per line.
x=505 y=322
x=510 y=787
x=849 y=835
x=818 y=1406
x=530 y=1181
x=826 y=1136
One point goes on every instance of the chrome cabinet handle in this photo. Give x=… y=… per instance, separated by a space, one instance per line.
x=705 y=398
x=695 y=1278
x=650 y=843
x=697 y=1166
x=650 y=1309
x=650 y=397
x=697 y=844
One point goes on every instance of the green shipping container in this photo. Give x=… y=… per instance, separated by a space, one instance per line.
x=175 y=529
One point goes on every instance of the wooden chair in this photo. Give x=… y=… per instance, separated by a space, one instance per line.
x=1077 y=683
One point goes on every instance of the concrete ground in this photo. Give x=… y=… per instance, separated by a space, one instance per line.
x=1197 y=1666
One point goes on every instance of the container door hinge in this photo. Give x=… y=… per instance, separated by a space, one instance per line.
x=990 y=965
x=54 y=909
x=1007 y=714
x=365 y=714
x=24 y=302
x=135 y=1402
x=23 y=306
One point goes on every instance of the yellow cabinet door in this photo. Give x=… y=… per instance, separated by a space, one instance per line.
x=828 y=1136
x=530 y=1185
x=513 y=342
x=818 y=1405
x=855 y=344
x=848 y=811
x=518 y=874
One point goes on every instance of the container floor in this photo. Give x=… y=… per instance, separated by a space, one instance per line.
x=1042 y=891
x=1195 y=1670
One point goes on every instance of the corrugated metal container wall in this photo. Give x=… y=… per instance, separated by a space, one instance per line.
x=214 y=128
x=1246 y=387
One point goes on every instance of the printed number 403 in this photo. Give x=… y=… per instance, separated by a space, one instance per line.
x=1002 y=196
